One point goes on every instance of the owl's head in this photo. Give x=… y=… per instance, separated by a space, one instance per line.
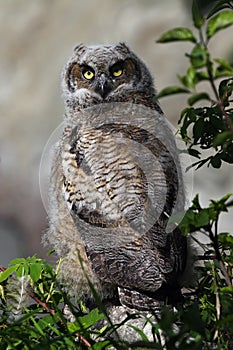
x=105 y=73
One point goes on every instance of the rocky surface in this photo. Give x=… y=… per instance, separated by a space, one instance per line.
x=36 y=39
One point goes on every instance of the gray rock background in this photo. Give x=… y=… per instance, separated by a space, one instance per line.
x=36 y=39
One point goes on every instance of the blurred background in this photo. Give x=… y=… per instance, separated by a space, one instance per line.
x=37 y=37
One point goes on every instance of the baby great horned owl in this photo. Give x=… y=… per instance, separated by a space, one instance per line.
x=115 y=181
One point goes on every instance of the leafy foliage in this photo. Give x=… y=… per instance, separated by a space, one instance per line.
x=209 y=126
x=32 y=314
x=206 y=126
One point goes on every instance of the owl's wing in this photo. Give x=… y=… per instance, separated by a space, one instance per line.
x=120 y=202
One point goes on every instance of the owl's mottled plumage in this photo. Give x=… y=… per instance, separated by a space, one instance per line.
x=115 y=181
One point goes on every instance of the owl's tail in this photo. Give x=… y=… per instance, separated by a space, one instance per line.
x=169 y=295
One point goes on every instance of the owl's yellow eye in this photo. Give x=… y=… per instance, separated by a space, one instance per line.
x=88 y=74
x=117 y=72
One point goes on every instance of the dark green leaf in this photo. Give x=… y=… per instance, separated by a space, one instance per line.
x=177 y=34
x=194 y=152
x=220 y=5
x=220 y=21
x=187 y=225
x=192 y=318
x=198 y=128
x=199 y=164
x=202 y=218
x=198 y=97
x=216 y=121
x=199 y=56
x=171 y=90
x=188 y=118
x=225 y=89
x=196 y=203
x=198 y=18
x=216 y=161
x=227 y=154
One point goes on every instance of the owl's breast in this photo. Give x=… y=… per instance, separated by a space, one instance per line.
x=103 y=182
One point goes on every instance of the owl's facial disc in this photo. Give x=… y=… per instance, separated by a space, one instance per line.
x=105 y=79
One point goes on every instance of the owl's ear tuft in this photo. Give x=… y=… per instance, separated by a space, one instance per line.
x=79 y=48
x=123 y=46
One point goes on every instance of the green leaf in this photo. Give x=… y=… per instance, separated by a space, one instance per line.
x=199 y=56
x=50 y=252
x=101 y=345
x=221 y=72
x=187 y=225
x=47 y=320
x=177 y=34
x=171 y=90
x=17 y=261
x=89 y=320
x=35 y=271
x=226 y=239
x=223 y=137
x=218 y=22
x=5 y=274
x=202 y=218
x=198 y=18
x=225 y=69
x=220 y=205
x=198 y=97
x=191 y=78
x=202 y=76
x=224 y=63
x=22 y=270
x=228 y=289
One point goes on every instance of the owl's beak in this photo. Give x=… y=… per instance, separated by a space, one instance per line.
x=103 y=86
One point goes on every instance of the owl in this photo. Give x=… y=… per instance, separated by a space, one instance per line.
x=115 y=183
